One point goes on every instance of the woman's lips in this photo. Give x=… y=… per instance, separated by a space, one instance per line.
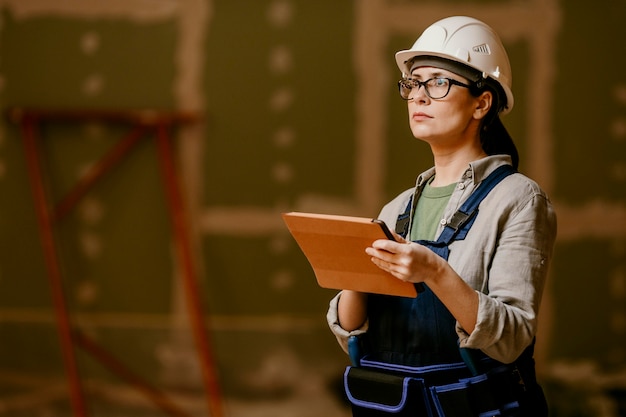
x=420 y=116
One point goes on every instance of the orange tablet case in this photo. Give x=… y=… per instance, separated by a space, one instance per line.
x=335 y=247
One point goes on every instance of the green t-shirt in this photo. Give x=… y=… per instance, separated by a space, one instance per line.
x=430 y=207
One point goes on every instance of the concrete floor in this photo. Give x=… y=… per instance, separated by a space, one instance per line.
x=32 y=396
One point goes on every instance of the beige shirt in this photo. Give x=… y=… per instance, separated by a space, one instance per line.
x=505 y=257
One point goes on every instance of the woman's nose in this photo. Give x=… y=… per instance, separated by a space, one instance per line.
x=418 y=93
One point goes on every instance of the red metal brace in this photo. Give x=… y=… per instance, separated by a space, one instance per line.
x=142 y=121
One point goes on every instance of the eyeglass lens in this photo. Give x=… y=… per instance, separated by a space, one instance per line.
x=435 y=88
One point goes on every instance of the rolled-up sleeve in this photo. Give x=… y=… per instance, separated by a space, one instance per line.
x=342 y=335
x=511 y=288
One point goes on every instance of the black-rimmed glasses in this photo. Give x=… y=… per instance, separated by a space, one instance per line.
x=435 y=88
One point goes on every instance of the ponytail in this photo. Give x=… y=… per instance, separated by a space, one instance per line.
x=495 y=140
x=494 y=137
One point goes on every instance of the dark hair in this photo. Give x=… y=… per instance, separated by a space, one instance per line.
x=494 y=138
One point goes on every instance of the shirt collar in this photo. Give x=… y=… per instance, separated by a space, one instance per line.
x=476 y=171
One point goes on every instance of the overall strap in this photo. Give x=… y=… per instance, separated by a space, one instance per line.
x=404 y=219
x=470 y=207
x=465 y=213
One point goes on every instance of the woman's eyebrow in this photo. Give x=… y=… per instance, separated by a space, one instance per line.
x=433 y=74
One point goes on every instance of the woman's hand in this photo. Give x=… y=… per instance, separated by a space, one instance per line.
x=406 y=260
x=413 y=262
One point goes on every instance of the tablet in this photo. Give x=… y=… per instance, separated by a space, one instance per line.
x=335 y=247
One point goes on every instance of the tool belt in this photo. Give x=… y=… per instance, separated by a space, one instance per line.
x=448 y=390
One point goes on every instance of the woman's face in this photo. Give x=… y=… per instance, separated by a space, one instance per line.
x=448 y=121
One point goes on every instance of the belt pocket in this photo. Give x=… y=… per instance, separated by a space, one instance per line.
x=452 y=400
x=478 y=396
x=372 y=393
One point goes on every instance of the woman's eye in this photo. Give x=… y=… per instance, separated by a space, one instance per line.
x=441 y=82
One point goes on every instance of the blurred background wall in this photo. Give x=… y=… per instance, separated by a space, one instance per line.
x=299 y=112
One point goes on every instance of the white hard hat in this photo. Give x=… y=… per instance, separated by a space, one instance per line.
x=464 y=40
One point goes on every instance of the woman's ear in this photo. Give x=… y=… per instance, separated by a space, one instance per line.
x=483 y=103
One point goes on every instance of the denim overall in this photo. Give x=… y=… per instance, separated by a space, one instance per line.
x=419 y=333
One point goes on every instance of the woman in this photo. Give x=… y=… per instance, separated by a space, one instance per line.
x=482 y=293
